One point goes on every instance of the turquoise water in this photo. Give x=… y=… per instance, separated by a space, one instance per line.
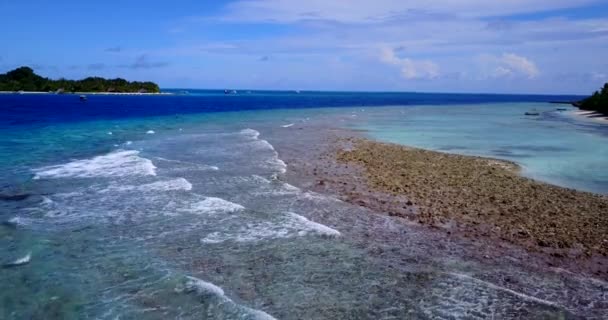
x=553 y=147
x=189 y=216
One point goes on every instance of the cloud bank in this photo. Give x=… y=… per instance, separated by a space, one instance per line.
x=410 y=69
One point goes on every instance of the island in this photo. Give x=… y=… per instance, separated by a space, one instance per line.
x=24 y=79
x=598 y=102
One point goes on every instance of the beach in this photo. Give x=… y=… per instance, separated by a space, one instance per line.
x=592 y=116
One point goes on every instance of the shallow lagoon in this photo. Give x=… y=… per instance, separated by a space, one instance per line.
x=553 y=147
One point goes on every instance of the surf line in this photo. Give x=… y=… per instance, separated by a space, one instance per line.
x=499 y=288
x=19 y=262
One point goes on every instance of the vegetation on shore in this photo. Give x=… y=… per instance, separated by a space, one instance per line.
x=597 y=102
x=24 y=79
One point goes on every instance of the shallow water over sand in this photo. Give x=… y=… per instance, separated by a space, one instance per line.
x=197 y=221
x=553 y=147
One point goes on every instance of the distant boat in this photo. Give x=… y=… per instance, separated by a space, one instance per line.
x=561 y=109
x=532 y=113
x=230 y=91
x=83 y=98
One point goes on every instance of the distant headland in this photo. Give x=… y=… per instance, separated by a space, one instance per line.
x=598 y=102
x=24 y=79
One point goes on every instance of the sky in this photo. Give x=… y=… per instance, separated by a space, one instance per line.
x=499 y=46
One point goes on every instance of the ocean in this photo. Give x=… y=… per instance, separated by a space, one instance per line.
x=175 y=206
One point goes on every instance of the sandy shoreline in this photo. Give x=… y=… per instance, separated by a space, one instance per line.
x=591 y=116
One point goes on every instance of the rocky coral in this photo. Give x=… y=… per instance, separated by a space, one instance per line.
x=482 y=197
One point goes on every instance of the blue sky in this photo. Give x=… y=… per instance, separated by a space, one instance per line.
x=514 y=46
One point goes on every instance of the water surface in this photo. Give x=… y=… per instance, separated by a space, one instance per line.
x=177 y=207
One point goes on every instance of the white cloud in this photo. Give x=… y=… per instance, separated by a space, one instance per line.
x=440 y=38
x=501 y=72
x=520 y=64
x=410 y=69
x=508 y=65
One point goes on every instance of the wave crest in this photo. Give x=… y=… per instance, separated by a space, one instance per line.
x=115 y=164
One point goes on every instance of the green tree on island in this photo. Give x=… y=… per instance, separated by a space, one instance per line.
x=24 y=79
x=597 y=102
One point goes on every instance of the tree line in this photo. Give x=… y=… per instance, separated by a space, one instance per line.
x=597 y=102
x=24 y=79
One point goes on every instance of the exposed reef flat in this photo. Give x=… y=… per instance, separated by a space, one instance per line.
x=479 y=202
x=483 y=197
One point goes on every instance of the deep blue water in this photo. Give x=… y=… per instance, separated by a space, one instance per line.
x=18 y=110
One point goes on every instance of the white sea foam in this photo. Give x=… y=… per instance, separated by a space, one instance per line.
x=290 y=188
x=274 y=163
x=129 y=143
x=150 y=132
x=285 y=190
x=237 y=311
x=250 y=133
x=15 y=220
x=258 y=179
x=287 y=125
x=499 y=288
x=278 y=164
x=18 y=221
x=198 y=166
x=167 y=185
x=311 y=226
x=21 y=261
x=203 y=287
x=261 y=144
x=110 y=133
x=68 y=194
x=115 y=164
x=46 y=201
x=290 y=225
x=213 y=205
x=318 y=197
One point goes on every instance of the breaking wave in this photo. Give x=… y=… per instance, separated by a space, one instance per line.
x=219 y=305
x=115 y=164
x=213 y=205
x=290 y=225
x=167 y=185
